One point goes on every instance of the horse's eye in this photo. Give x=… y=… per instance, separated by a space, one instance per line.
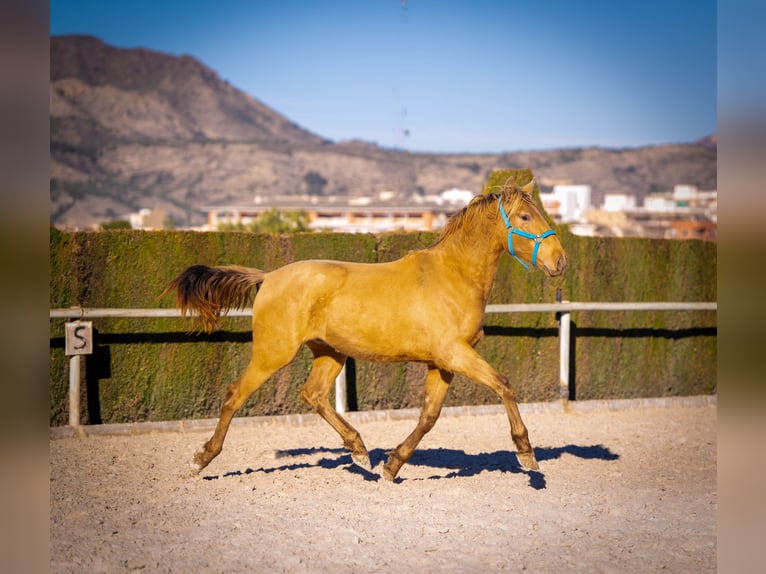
x=524 y=217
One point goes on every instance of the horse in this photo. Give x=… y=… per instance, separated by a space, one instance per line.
x=426 y=307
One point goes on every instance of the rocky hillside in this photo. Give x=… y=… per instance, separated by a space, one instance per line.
x=134 y=128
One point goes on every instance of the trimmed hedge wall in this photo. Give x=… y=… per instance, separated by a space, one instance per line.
x=153 y=369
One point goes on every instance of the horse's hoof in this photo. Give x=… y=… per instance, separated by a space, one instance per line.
x=393 y=466
x=361 y=459
x=528 y=460
x=192 y=471
x=388 y=474
x=197 y=463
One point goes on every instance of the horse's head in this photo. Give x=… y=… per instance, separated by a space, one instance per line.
x=530 y=239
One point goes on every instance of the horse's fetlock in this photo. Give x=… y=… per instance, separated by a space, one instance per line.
x=522 y=435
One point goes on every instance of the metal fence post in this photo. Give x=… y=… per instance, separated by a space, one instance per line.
x=564 y=338
x=74 y=390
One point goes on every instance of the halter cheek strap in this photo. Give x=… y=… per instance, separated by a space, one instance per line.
x=538 y=239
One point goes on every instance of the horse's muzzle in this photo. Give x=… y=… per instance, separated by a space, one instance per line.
x=561 y=265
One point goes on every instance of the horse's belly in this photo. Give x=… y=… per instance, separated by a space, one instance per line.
x=371 y=345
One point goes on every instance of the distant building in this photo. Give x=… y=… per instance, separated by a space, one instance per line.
x=353 y=215
x=659 y=203
x=619 y=202
x=457 y=196
x=147 y=219
x=684 y=213
x=686 y=229
x=684 y=200
x=567 y=203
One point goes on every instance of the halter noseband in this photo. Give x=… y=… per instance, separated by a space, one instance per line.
x=538 y=239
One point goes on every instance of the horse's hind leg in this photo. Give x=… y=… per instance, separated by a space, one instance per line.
x=261 y=367
x=437 y=384
x=327 y=364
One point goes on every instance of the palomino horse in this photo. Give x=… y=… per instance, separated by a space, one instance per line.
x=427 y=306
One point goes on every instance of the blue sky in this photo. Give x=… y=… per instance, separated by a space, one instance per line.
x=441 y=75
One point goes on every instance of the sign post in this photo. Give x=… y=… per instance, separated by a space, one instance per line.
x=79 y=341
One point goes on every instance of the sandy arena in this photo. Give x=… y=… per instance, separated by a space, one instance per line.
x=625 y=486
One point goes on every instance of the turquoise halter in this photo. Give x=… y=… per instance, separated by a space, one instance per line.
x=538 y=239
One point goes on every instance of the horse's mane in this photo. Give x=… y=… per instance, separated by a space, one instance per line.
x=479 y=208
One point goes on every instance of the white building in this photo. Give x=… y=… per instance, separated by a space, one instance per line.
x=457 y=196
x=454 y=196
x=684 y=193
x=567 y=203
x=147 y=219
x=619 y=202
x=659 y=203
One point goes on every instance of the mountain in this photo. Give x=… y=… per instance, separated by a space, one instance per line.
x=103 y=95
x=135 y=128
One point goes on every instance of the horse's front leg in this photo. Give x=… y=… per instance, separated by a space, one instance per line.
x=437 y=384
x=464 y=360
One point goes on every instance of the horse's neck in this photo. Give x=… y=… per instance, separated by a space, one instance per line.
x=473 y=259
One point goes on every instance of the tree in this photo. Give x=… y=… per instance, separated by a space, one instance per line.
x=275 y=221
x=272 y=221
x=229 y=226
x=315 y=183
x=115 y=224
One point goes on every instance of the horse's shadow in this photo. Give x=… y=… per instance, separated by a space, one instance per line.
x=458 y=463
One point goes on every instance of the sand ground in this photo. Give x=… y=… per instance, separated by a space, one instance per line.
x=622 y=487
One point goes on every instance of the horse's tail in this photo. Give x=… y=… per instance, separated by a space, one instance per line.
x=211 y=291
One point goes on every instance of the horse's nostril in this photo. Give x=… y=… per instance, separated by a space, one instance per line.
x=561 y=263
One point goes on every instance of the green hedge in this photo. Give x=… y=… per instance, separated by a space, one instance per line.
x=153 y=369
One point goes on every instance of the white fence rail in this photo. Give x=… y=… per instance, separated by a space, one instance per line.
x=563 y=309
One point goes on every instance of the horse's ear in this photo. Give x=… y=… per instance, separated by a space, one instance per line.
x=527 y=189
